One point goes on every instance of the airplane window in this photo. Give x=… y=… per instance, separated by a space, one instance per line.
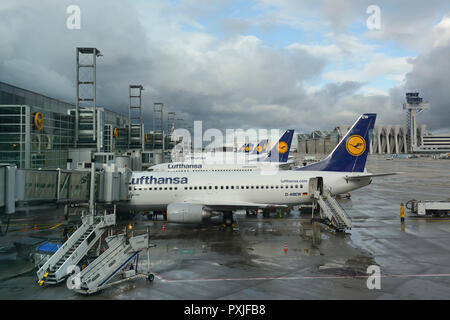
x=199 y=188
x=221 y=187
x=251 y=187
x=195 y=188
x=301 y=186
x=170 y=188
x=271 y=187
x=160 y=188
x=165 y=188
x=257 y=187
x=226 y=187
x=232 y=187
x=190 y=188
x=216 y=187
x=296 y=186
x=276 y=187
x=130 y=188
x=210 y=187
x=185 y=188
x=281 y=187
x=246 y=187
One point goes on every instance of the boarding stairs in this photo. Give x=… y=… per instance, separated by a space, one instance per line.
x=334 y=212
x=74 y=249
x=122 y=251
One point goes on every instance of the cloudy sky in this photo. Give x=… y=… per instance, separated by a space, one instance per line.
x=240 y=64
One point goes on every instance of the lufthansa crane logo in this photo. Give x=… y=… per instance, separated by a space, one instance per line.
x=282 y=147
x=258 y=149
x=356 y=145
x=39 y=121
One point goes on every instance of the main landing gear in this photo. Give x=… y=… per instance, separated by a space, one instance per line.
x=227 y=219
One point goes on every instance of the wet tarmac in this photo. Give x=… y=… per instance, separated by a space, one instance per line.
x=277 y=257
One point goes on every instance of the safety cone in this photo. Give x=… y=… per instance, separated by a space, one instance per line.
x=164 y=227
x=285 y=249
x=35 y=228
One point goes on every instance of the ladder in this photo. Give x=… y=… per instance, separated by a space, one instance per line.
x=120 y=253
x=335 y=213
x=55 y=270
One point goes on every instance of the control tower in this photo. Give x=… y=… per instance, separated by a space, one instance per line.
x=413 y=105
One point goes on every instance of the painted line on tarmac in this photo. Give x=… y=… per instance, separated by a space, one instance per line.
x=328 y=277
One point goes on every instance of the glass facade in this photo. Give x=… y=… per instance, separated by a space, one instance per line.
x=36 y=131
x=12 y=135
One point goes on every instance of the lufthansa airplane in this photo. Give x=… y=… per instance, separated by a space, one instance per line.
x=191 y=197
x=244 y=154
x=257 y=159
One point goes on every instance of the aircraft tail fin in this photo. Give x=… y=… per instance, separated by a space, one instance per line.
x=350 y=154
x=261 y=147
x=280 y=150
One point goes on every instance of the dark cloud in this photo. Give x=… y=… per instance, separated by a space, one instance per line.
x=431 y=78
x=234 y=82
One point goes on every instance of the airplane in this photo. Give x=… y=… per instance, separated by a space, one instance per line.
x=192 y=197
x=245 y=153
x=277 y=156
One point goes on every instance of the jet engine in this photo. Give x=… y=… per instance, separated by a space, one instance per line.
x=186 y=213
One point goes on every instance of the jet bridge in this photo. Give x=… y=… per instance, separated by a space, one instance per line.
x=331 y=211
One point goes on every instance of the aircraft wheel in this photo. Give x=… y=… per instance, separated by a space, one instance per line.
x=150 y=277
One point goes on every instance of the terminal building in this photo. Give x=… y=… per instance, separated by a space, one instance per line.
x=37 y=131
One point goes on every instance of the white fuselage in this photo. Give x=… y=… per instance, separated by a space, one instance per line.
x=156 y=190
x=206 y=167
x=224 y=157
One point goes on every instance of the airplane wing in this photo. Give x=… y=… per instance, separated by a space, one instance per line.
x=234 y=205
x=370 y=175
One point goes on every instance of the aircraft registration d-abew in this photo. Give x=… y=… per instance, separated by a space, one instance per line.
x=191 y=197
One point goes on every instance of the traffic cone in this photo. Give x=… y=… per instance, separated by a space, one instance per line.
x=164 y=227
x=285 y=249
x=35 y=228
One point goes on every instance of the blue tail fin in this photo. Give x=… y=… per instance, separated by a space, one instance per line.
x=280 y=150
x=261 y=147
x=350 y=154
x=246 y=148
